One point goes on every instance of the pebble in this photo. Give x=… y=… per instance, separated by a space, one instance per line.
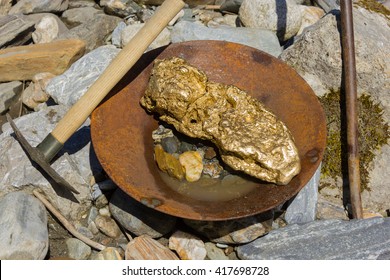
x=170 y=144
x=35 y=93
x=23 y=227
x=187 y=246
x=192 y=163
x=108 y=226
x=138 y=218
x=109 y=253
x=214 y=253
x=39 y=6
x=120 y=8
x=168 y=163
x=77 y=249
x=46 y=30
x=323 y=240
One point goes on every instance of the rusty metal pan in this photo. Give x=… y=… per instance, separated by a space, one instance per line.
x=121 y=128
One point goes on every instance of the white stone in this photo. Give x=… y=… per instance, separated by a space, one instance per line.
x=46 y=30
x=187 y=246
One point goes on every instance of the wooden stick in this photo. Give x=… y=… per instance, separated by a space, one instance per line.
x=66 y=223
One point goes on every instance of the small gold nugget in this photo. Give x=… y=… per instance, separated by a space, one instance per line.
x=249 y=137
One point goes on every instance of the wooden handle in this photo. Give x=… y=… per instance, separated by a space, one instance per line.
x=121 y=64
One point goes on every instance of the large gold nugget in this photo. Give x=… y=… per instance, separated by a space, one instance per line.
x=249 y=137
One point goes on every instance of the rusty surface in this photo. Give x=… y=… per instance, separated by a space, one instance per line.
x=121 y=129
x=349 y=71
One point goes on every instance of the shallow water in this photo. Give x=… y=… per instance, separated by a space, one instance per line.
x=209 y=189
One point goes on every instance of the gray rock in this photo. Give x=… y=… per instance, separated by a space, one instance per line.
x=8 y=93
x=261 y=39
x=329 y=239
x=116 y=34
x=303 y=207
x=77 y=249
x=163 y=39
x=39 y=6
x=283 y=17
x=108 y=226
x=77 y=16
x=232 y=6
x=170 y=144
x=328 y=5
x=214 y=253
x=138 y=218
x=23 y=227
x=67 y=88
x=121 y=8
x=73 y=4
x=94 y=32
x=236 y=231
x=15 y=30
x=75 y=162
x=316 y=56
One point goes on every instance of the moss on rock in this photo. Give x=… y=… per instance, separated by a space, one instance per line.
x=373 y=134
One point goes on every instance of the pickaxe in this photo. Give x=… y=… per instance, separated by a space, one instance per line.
x=79 y=112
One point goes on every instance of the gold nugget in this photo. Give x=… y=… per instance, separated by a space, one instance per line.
x=249 y=137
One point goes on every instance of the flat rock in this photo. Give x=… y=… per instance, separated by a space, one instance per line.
x=94 y=31
x=146 y=248
x=8 y=93
x=39 y=6
x=5 y=6
x=236 y=231
x=23 y=62
x=138 y=218
x=187 y=246
x=77 y=249
x=77 y=16
x=15 y=30
x=76 y=162
x=326 y=240
x=23 y=227
x=283 y=17
x=261 y=39
x=303 y=207
x=67 y=88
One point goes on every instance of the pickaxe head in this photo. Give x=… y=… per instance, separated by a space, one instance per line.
x=38 y=157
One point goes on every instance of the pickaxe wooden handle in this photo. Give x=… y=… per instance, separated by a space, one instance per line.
x=121 y=64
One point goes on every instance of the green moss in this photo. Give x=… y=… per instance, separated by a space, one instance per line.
x=373 y=133
x=374 y=6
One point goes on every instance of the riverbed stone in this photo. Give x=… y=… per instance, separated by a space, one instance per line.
x=367 y=239
x=138 y=218
x=120 y=8
x=67 y=88
x=146 y=248
x=261 y=39
x=15 y=30
x=23 y=62
x=9 y=92
x=237 y=231
x=77 y=249
x=39 y=6
x=35 y=93
x=23 y=227
x=77 y=16
x=48 y=29
x=187 y=246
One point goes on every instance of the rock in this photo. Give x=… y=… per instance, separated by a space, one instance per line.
x=261 y=39
x=146 y=248
x=168 y=163
x=67 y=88
x=83 y=230
x=116 y=34
x=232 y=6
x=283 y=17
x=138 y=218
x=236 y=231
x=75 y=163
x=77 y=16
x=224 y=21
x=22 y=63
x=310 y=16
x=8 y=93
x=187 y=246
x=107 y=226
x=192 y=165
x=328 y=5
x=39 y=6
x=163 y=39
x=323 y=240
x=77 y=249
x=15 y=30
x=177 y=17
x=327 y=210
x=214 y=253
x=23 y=227
x=94 y=32
x=74 y=4
x=191 y=3
x=109 y=253
x=316 y=56
x=46 y=30
x=35 y=93
x=170 y=144
x=5 y=6
x=121 y=8
x=303 y=207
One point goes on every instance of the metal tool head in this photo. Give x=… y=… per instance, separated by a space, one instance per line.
x=38 y=157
